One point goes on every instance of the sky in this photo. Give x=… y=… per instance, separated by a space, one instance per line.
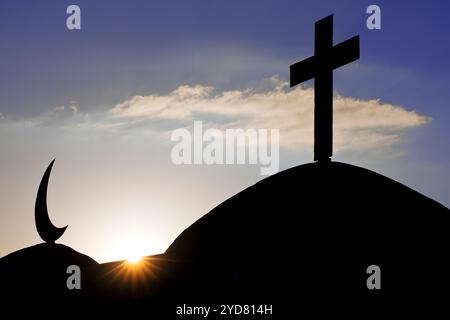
x=104 y=100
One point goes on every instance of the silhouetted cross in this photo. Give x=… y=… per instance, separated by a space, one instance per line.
x=320 y=67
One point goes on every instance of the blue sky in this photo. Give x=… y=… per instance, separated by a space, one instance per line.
x=131 y=48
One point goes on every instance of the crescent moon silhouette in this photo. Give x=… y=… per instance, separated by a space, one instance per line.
x=47 y=231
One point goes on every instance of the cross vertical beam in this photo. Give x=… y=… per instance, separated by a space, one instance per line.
x=323 y=90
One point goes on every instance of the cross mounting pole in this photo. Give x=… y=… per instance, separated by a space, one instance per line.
x=320 y=67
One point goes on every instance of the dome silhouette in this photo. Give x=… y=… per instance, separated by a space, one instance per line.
x=40 y=272
x=317 y=227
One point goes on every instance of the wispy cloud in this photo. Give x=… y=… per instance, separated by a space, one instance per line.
x=358 y=124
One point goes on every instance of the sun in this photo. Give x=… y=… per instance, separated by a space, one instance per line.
x=134 y=259
x=131 y=249
x=134 y=251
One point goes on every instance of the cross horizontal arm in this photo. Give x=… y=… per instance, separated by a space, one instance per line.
x=341 y=54
x=345 y=52
x=302 y=71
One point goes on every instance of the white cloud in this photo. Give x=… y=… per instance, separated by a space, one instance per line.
x=66 y=117
x=358 y=124
x=73 y=108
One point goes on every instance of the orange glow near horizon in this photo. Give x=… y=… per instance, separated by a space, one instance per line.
x=134 y=274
